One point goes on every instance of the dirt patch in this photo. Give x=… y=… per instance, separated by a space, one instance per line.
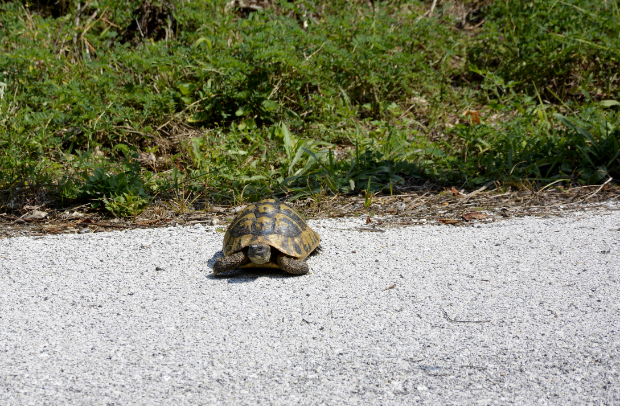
x=468 y=15
x=47 y=8
x=411 y=205
x=303 y=15
x=151 y=20
x=245 y=7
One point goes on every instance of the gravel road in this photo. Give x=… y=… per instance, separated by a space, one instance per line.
x=524 y=311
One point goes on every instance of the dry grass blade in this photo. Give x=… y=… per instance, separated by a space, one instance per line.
x=181 y=204
x=596 y=191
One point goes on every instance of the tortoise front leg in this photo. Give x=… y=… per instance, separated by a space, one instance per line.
x=229 y=263
x=292 y=265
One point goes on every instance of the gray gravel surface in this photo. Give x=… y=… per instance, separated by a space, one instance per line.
x=524 y=311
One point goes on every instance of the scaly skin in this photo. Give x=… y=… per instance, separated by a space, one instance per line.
x=293 y=266
x=259 y=253
x=229 y=263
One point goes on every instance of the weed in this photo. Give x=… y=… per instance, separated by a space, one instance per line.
x=126 y=205
x=545 y=43
x=301 y=99
x=180 y=203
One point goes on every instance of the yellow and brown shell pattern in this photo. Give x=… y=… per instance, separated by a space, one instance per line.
x=274 y=223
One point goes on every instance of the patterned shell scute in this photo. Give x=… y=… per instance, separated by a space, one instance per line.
x=274 y=223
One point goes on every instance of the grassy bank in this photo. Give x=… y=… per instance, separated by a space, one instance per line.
x=119 y=102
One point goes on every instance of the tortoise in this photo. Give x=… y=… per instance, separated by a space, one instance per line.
x=268 y=234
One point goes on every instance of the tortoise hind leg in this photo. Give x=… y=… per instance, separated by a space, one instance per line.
x=292 y=265
x=229 y=263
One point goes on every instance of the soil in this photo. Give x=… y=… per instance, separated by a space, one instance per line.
x=409 y=205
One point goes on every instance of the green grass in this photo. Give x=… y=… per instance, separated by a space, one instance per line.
x=302 y=99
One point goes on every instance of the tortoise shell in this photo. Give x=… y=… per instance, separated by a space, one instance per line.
x=273 y=223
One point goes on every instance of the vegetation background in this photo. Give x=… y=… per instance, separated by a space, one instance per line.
x=121 y=102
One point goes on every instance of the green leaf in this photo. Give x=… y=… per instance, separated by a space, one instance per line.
x=298 y=155
x=203 y=39
x=270 y=105
x=565 y=121
x=288 y=140
x=2 y=87
x=609 y=103
x=253 y=178
x=185 y=89
x=123 y=148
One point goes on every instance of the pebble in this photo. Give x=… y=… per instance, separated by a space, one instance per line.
x=451 y=319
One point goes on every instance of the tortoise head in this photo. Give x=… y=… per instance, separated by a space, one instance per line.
x=259 y=253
